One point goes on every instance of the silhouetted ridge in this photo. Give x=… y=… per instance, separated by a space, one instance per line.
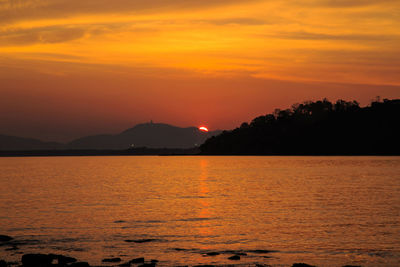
x=315 y=128
x=20 y=143
x=151 y=135
x=146 y=135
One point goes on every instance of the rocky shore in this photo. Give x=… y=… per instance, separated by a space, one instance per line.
x=57 y=260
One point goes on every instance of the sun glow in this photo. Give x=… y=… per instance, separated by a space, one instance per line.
x=203 y=129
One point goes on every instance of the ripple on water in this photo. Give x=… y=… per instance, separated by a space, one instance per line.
x=197 y=219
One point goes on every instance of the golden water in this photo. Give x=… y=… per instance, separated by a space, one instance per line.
x=326 y=211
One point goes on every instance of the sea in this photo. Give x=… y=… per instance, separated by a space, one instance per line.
x=197 y=210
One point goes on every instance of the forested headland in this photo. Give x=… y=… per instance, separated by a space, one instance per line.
x=316 y=128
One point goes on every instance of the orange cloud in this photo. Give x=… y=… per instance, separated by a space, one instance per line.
x=254 y=55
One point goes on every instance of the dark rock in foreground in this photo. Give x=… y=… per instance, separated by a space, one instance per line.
x=62 y=260
x=137 y=260
x=35 y=260
x=55 y=260
x=234 y=258
x=12 y=248
x=112 y=260
x=302 y=265
x=212 y=253
x=241 y=254
x=80 y=264
x=5 y=238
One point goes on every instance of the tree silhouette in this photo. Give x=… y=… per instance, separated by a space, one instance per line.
x=319 y=127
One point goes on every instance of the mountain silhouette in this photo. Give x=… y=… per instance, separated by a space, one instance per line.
x=150 y=135
x=8 y=142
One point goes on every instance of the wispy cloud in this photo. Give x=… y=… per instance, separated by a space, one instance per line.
x=45 y=35
x=303 y=35
x=15 y=10
x=341 y=3
x=213 y=37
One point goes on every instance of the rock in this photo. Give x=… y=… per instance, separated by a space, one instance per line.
x=62 y=260
x=12 y=248
x=36 y=260
x=3 y=263
x=154 y=261
x=302 y=265
x=204 y=266
x=112 y=260
x=5 y=238
x=241 y=254
x=79 y=264
x=137 y=260
x=234 y=258
x=180 y=249
x=147 y=265
x=352 y=266
x=212 y=253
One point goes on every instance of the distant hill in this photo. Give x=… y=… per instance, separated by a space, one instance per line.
x=19 y=143
x=151 y=135
x=316 y=128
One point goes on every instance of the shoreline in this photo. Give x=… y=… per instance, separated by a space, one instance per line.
x=43 y=258
x=58 y=260
x=166 y=152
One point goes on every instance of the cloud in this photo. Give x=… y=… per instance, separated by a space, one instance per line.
x=342 y=3
x=15 y=10
x=303 y=35
x=46 y=35
x=234 y=21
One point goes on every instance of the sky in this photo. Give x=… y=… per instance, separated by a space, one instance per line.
x=70 y=68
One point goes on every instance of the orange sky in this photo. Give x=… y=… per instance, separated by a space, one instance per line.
x=70 y=68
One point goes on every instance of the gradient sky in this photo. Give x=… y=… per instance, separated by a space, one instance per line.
x=70 y=68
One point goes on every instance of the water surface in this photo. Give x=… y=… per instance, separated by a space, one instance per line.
x=326 y=211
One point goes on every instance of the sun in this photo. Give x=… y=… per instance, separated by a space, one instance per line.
x=203 y=129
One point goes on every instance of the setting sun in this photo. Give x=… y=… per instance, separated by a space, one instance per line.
x=203 y=129
x=99 y=106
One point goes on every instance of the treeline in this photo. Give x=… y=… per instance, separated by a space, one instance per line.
x=316 y=128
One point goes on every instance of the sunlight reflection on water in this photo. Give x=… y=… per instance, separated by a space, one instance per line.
x=327 y=211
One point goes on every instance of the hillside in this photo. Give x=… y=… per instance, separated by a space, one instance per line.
x=151 y=135
x=146 y=135
x=19 y=143
x=316 y=128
